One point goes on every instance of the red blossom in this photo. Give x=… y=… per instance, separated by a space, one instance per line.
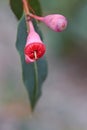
x=34 y=48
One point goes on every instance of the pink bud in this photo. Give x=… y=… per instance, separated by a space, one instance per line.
x=56 y=22
x=34 y=48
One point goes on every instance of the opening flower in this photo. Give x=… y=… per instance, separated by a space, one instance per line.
x=34 y=48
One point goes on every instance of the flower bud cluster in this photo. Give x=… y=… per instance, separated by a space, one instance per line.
x=35 y=48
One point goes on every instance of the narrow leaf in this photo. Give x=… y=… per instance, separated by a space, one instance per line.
x=32 y=70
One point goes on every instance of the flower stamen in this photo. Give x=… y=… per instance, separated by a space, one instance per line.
x=35 y=55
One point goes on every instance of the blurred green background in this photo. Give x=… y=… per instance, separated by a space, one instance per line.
x=63 y=104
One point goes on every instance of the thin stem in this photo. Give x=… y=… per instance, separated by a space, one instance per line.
x=26 y=12
x=36 y=17
x=25 y=6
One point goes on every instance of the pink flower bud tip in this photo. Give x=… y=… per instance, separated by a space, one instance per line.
x=56 y=22
x=34 y=48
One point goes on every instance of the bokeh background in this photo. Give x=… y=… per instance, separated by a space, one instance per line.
x=63 y=105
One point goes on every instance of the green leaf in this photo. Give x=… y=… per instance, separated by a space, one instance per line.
x=17 y=8
x=30 y=71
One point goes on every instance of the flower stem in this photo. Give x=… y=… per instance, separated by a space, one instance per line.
x=25 y=7
x=36 y=17
x=26 y=12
